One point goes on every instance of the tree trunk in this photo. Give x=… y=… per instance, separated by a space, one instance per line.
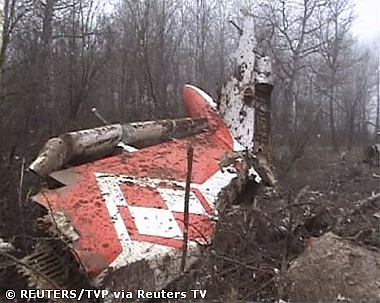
x=47 y=67
x=60 y=151
x=377 y=125
x=334 y=137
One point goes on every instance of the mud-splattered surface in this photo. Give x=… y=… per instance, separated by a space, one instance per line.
x=258 y=239
x=265 y=231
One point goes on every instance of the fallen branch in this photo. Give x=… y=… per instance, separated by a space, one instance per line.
x=60 y=151
x=247 y=266
x=361 y=203
x=256 y=291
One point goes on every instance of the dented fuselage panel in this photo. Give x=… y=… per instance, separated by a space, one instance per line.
x=128 y=209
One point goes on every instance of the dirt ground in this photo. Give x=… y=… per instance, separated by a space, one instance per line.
x=265 y=230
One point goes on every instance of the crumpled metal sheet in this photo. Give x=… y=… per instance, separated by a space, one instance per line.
x=128 y=209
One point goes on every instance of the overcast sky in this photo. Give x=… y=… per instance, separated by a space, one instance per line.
x=367 y=25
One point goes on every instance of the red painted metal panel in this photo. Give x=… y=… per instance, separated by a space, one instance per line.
x=130 y=178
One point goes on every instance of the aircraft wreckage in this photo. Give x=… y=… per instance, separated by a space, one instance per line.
x=137 y=210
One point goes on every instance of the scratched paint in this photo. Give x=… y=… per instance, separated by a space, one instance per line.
x=159 y=220
x=128 y=208
x=156 y=222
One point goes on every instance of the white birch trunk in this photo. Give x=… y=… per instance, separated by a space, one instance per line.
x=236 y=102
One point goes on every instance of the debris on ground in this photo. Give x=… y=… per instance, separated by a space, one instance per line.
x=319 y=210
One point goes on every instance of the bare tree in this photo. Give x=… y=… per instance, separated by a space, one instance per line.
x=335 y=39
x=377 y=123
x=295 y=27
x=61 y=57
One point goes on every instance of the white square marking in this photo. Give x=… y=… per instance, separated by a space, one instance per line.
x=175 y=200
x=155 y=222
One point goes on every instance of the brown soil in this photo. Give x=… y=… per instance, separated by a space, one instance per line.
x=264 y=231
